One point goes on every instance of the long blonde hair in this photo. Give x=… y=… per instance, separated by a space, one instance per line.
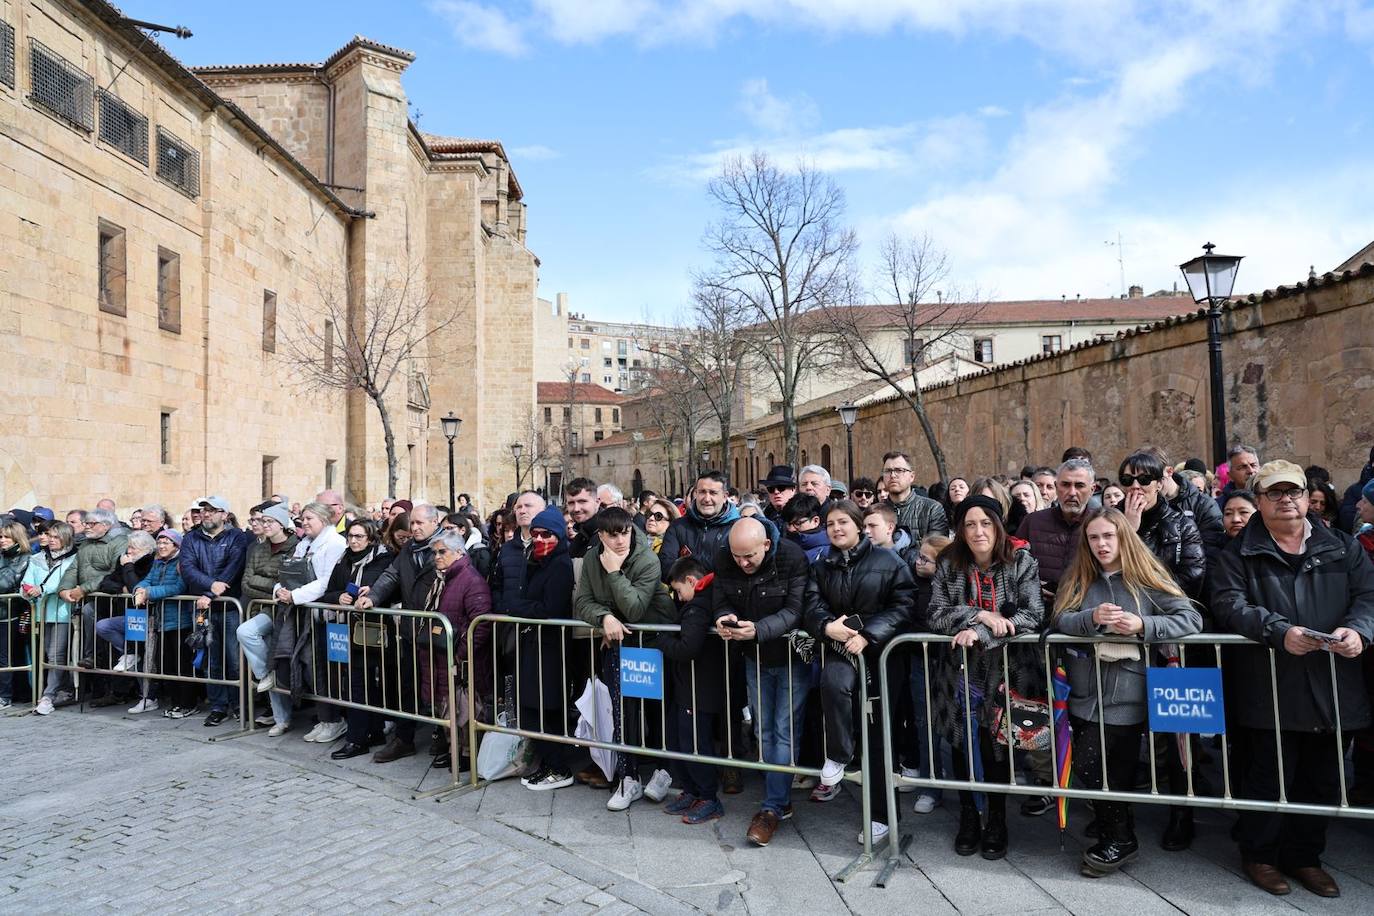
x=1140 y=569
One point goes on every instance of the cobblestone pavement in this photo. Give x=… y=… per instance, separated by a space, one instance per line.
x=102 y=813
x=105 y=811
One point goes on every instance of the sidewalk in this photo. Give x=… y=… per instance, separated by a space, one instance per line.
x=111 y=811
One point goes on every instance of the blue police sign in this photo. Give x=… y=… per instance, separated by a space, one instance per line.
x=641 y=673
x=135 y=625
x=1186 y=700
x=336 y=641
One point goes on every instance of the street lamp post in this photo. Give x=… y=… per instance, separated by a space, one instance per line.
x=848 y=414
x=1211 y=277
x=705 y=460
x=752 y=442
x=515 y=450
x=451 y=425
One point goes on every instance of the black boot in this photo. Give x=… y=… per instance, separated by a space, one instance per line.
x=1179 y=834
x=970 y=827
x=1117 y=846
x=994 y=840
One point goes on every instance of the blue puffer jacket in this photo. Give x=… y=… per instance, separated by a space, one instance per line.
x=162 y=582
x=206 y=560
x=816 y=544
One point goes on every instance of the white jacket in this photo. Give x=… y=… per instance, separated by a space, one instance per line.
x=324 y=551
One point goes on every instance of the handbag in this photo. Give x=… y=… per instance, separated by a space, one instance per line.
x=1030 y=722
x=369 y=634
x=296 y=572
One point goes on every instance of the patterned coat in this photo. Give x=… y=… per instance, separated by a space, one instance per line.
x=953 y=606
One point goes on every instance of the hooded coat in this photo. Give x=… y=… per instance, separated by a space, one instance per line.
x=633 y=594
x=694 y=536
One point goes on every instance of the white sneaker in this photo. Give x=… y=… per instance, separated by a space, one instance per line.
x=268 y=682
x=145 y=705
x=627 y=792
x=925 y=804
x=314 y=733
x=832 y=773
x=802 y=782
x=658 y=786
x=44 y=707
x=908 y=773
x=5 y=704
x=127 y=663
x=281 y=728
x=879 y=833
x=331 y=732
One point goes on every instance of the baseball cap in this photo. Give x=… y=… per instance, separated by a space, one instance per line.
x=214 y=502
x=1276 y=472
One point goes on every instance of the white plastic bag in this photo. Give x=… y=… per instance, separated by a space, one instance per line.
x=502 y=756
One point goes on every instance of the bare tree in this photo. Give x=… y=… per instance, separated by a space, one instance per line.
x=890 y=342
x=362 y=339
x=678 y=409
x=781 y=252
x=711 y=355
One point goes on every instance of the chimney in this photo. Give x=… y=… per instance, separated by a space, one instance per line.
x=562 y=300
x=1136 y=292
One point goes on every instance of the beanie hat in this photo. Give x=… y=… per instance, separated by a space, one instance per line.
x=279 y=515
x=1368 y=492
x=172 y=535
x=986 y=503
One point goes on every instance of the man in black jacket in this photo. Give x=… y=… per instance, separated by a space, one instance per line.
x=757 y=601
x=703 y=530
x=1172 y=537
x=1298 y=589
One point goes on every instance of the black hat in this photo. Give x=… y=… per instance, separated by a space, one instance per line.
x=1195 y=464
x=780 y=476
x=986 y=503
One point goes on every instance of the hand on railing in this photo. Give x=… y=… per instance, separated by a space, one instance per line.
x=966 y=638
x=999 y=626
x=1117 y=620
x=140 y=597
x=731 y=627
x=612 y=630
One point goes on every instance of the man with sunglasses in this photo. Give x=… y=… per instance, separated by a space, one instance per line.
x=781 y=486
x=1306 y=592
x=1171 y=536
x=703 y=530
x=864 y=492
x=917 y=515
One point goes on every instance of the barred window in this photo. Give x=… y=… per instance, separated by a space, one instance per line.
x=111 y=270
x=7 y=54
x=269 y=321
x=169 y=290
x=122 y=127
x=178 y=164
x=60 y=86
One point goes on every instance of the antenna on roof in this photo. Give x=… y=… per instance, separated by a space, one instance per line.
x=1120 y=260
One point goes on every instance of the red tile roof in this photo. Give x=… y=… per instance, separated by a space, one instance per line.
x=1140 y=310
x=580 y=393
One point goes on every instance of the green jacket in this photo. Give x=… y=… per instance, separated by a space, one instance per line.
x=261 y=568
x=635 y=594
x=96 y=558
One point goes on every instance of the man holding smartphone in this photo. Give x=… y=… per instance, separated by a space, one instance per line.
x=757 y=601
x=1307 y=592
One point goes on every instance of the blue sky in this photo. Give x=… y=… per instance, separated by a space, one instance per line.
x=1021 y=135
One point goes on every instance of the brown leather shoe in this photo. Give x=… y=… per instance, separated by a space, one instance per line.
x=1317 y=880
x=762 y=828
x=732 y=783
x=1267 y=877
x=395 y=749
x=592 y=776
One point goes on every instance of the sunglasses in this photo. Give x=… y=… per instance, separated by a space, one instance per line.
x=863 y=494
x=779 y=489
x=657 y=517
x=1143 y=479
x=540 y=535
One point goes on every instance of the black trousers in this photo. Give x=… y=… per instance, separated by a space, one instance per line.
x=841 y=702
x=700 y=780
x=994 y=770
x=1310 y=774
x=1122 y=751
x=384 y=678
x=549 y=720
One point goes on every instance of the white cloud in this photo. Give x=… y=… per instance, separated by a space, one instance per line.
x=535 y=153
x=477 y=25
x=774 y=115
x=993 y=111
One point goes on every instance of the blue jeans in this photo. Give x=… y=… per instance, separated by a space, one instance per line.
x=779 y=725
x=223 y=657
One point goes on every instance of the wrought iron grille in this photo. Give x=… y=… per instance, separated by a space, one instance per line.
x=61 y=87
x=123 y=128
x=7 y=54
x=177 y=163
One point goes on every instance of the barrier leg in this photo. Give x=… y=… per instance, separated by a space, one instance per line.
x=866 y=801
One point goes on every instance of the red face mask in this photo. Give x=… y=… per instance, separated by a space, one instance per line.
x=543 y=547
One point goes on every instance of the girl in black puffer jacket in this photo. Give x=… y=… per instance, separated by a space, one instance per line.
x=857 y=599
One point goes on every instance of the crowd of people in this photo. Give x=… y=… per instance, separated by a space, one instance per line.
x=783 y=598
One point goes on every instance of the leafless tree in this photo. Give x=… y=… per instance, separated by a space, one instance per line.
x=362 y=339
x=925 y=317
x=677 y=409
x=781 y=252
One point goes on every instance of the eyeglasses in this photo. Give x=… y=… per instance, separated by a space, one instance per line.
x=657 y=517
x=1274 y=496
x=1143 y=479
x=923 y=560
x=357 y=536
x=779 y=489
x=893 y=472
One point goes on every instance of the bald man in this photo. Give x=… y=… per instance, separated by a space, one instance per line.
x=757 y=601
x=334 y=501
x=527 y=506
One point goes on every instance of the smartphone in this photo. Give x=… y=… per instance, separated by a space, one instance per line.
x=732 y=624
x=854 y=622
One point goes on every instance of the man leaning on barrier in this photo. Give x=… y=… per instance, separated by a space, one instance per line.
x=1304 y=591
x=757 y=599
x=212 y=558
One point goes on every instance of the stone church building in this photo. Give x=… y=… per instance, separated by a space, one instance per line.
x=165 y=231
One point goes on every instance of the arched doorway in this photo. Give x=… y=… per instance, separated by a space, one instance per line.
x=638 y=485
x=825 y=460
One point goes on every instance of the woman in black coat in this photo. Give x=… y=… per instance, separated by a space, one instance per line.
x=372 y=640
x=858 y=598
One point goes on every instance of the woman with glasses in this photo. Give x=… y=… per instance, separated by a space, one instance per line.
x=364 y=560
x=656 y=520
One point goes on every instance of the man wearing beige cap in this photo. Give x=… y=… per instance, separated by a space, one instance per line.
x=1303 y=590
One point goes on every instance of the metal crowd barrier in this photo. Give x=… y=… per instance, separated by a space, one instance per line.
x=14 y=608
x=1211 y=645
x=403 y=661
x=589 y=635
x=88 y=655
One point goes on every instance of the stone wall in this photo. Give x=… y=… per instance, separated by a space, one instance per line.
x=1299 y=376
